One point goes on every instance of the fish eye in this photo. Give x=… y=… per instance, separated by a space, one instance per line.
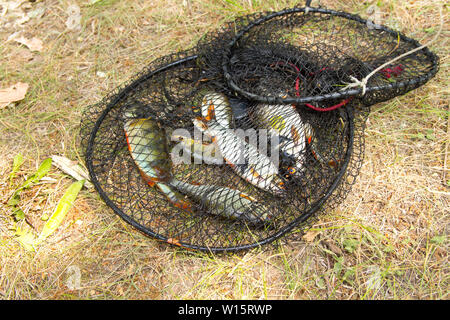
x=292 y=170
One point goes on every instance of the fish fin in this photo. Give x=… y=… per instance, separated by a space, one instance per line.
x=128 y=141
x=255 y=173
x=211 y=112
x=174 y=197
x=184 y=205
x=147 y=179
x=245 y=196
x=232 y=165
x=295 y=135
x=200 y=124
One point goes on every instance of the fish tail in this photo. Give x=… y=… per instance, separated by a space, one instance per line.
x=177 y=199
x=186 y=188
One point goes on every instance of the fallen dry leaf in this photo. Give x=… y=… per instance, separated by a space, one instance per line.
x=23 y=19
x=334 y=248
x=310 y=235
x=10 y=5
x=71 y=168
x=14 y=93
x=23 y=55
x=74 y=19
x=34 y=44
x=38 y=12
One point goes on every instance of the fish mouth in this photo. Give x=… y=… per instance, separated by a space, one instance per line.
x=258 y=217
x=280 y=192
x=251 y=218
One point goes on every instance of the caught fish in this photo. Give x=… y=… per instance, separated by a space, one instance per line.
x=217 y=105
x=284 y=121
x=225 y=109
x=243 y=157
x=148 y=148
x=230 y=203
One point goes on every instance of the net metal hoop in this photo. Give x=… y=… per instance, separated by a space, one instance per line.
x=147 y=231
x=231 y=46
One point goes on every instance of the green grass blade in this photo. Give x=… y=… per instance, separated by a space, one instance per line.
x=235 y=4
x=18 y=161
x=43 y=169
x=61 y=210
x=25 y=238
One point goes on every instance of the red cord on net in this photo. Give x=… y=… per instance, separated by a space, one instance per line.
x=336 y=106
x=297 y=90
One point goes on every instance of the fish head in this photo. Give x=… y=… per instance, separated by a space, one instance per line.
x=216 y=106
x=294 y=172
x=259 y=215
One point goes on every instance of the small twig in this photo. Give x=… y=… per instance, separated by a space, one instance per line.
x=396 y=46
x=363 y=83
x=29 y=223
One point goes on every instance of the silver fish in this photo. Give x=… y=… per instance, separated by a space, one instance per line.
x=243 y=157
x=148 y=148
x=284 y=121
x=227 y=202
x=217 y=106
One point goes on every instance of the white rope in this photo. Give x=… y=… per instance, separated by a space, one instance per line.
x=307 y=7
x=363 y=83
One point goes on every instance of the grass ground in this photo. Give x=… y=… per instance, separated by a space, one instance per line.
x=389 y=240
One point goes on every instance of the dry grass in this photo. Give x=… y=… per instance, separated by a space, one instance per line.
x=389 y=240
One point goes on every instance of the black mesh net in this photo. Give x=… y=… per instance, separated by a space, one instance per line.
x=309 y=58
x=220 y=161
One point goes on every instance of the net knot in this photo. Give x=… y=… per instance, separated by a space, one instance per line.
x=357 y=83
